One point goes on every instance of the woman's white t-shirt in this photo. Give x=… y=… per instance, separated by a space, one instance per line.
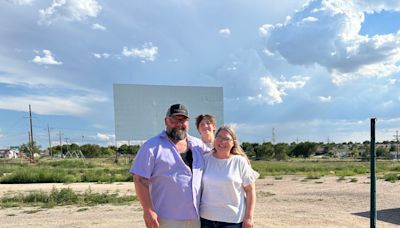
x=223 y=195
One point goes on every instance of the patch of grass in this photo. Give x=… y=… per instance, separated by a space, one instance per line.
x=353 y=180
x=391 y=177
x=82 y=209
x=324 y=167
x=264 y=194
x=313 y=176
x=65 y=196
x=105 y=170
x=64 y=171
x=32 y=211
x=278 y=177
x=341 y=178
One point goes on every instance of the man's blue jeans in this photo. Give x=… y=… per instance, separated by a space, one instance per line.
x=205 y=223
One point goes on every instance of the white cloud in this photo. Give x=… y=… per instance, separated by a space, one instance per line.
x=47 y=59
x=69 y=10
x=102 y=136
x=377 y=6
x=273 y=91
x=326 y=99
x=98 y=27
x=147 y=53
x=264 y=30
x=377 y=70
x=51 y=105
x=333 y=41
x=310 y=19
x=226 y=32
x=21 y=2
x=101 y=55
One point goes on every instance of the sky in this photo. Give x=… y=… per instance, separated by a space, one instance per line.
x=305 y=70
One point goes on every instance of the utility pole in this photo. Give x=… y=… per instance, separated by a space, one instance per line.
x=31 y=132
x=59 y=135
x=29 y=138
x=66 y=142
x=51 y=150
x=397 y=144
x=82 y=139
x=273 y=136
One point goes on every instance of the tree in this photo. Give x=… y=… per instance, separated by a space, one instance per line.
x=304 y=149
x=131 y=149
x=382 y=151
x=107 y=151
x=28 y=151
x=355 y=153
x=249 y=149
x=264 y=151
x=91 y=151
x=281 y=151
x=123 y=149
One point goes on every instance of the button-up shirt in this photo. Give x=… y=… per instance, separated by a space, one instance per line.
x=174 y=188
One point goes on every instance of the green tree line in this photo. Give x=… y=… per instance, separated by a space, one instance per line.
x=255 y=151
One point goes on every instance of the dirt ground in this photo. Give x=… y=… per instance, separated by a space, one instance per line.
x=289 y=202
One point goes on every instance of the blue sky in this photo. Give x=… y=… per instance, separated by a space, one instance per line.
x=313 y=70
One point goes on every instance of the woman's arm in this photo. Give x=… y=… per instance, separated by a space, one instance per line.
x=250 y=204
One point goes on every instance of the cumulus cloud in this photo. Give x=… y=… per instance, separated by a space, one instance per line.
x=47 y=59
x=264 y=29
x=273 y=91
x=325 y=99
x=148 y=52
x=245 y=77
x=69 y=10
x=102 y=136
x=101 y=55
x=21 y=2
x=327 y=33
x=226 y=32
x=98 y=27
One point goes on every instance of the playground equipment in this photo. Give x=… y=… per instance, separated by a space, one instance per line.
x=22 y=155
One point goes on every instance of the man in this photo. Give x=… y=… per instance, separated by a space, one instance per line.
x=167 y=174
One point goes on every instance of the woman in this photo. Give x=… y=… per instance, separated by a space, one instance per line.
x=205 y=124
x=228 y=184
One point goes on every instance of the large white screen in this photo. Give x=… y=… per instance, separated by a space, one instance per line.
x=140 y=109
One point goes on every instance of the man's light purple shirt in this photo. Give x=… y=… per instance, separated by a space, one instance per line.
x=174 y=188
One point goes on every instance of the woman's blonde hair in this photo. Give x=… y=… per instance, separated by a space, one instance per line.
x=236 y=149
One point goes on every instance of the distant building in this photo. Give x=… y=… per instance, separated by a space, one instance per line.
x=9 y=153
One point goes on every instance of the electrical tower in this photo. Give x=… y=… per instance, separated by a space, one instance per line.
x=273 y=136
x=396 y=137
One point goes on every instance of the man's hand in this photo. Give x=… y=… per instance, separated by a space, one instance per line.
x=150 y=218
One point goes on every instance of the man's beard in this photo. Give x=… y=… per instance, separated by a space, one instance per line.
x=177 y=133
